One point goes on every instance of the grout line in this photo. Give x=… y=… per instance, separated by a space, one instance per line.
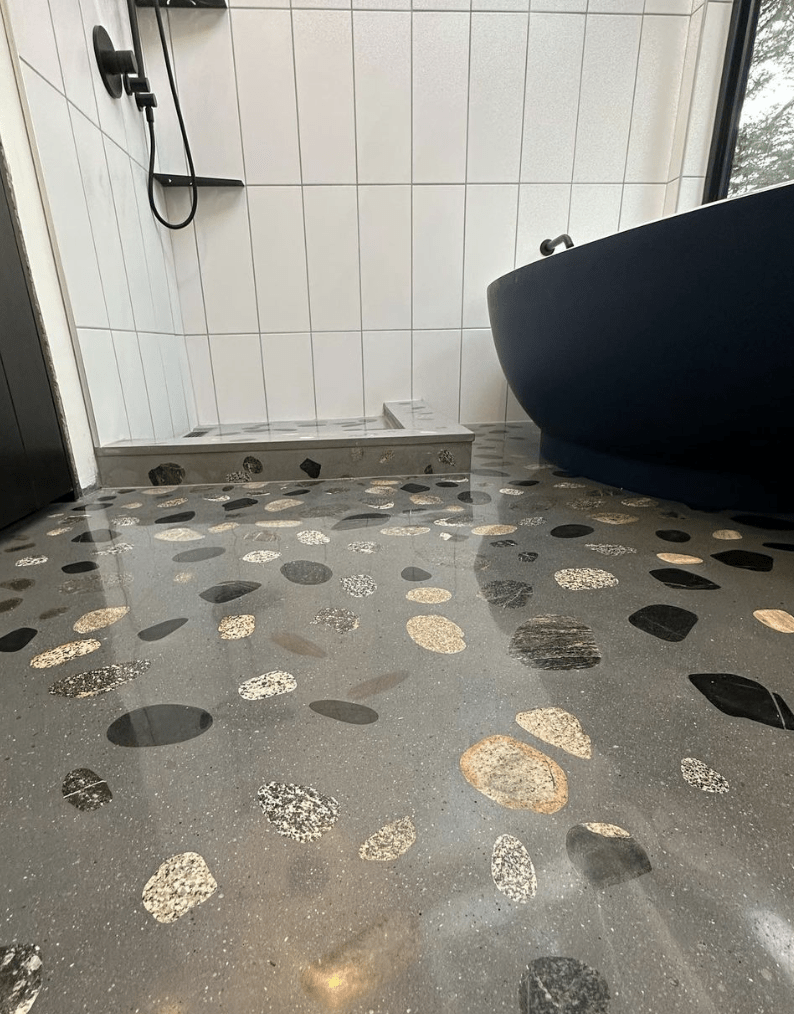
x=411 y=191
x=358 y=216
x=465 y=208
x=248 y=218
x=631 y=118
x=578 y=109
x=303 y=208
x=521 y=146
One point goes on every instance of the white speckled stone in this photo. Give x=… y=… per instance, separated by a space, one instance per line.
x=312 y=538
x=360 y=586
x=585 y=579
x=31 y=561
x=261 y=556
x=607 y=549
x=700 y=776
x=270 y=684
x=512 y=869
x=180 y=884
x=389 y=842
x=178 y=535
x=298 y=811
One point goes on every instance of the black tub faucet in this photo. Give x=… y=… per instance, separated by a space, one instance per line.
x=548 y=245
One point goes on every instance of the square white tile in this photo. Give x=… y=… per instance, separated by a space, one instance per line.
x=387 y=369
x=338 y=381
x=554 y=66
x=438 y=256
x=385 y=234
x=483 y=388
x=436 y=370
x=440 y=96
x=324 y=68
x=332 y=246
x=496 y=96
x=289 y=376
x=266 y=91
x=279 y=258
x=382 y=56
x=491 y=214
x=239 y=378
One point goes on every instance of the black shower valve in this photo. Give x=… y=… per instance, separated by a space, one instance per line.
x=114 y=64
x=134 y=85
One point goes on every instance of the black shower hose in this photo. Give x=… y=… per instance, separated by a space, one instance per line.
x=186 y=143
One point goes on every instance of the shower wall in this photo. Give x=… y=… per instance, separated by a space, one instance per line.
x=118 y=265
x=396 y=160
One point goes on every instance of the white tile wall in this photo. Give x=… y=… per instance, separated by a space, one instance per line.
x=396 y=161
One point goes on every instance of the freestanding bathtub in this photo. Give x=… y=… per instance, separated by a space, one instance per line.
x=661 y=359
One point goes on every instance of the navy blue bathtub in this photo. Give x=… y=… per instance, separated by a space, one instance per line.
x=661 y=359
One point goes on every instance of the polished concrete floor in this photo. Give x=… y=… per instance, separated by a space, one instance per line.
x=508 y=741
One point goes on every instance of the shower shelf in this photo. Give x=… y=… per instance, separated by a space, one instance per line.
x=194 y=5
x=172 y=180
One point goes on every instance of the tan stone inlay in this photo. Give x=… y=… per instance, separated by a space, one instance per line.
x=181 y=883
x=261 y=556
x=99 y=618
x=559 y=728
x=777 y=619
x=283 y=504
x=231 y=628
x=179 y=535
x=132 y=506
x=726 y=533
x=436 y=633
x=585 y=579
x=515 y=775
x=678 y=558
x=183 y=577
x=493 y=530
x=405 y=530
x=176 y=502
x=425 y=499
x=389 y=842
x=615 y=518
x=640 y=501
x=63 y=653
x=59 y=531
x=278 y=524
x=511 y=491
x=430 y=596
x=608 y=830
x=157 y=490
x=224 y=526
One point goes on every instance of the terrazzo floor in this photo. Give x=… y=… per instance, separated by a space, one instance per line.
x=508 y=741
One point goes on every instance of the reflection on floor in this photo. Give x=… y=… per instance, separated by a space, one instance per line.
x=508 y=741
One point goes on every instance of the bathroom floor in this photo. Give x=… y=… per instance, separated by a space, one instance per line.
x=509 y=741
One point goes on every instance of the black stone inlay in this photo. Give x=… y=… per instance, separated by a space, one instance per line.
x=97 y=535
x=167 y=474
x=414 y=574
x=474 y=496
x=673 y=535
x=176 y=519
x=236 y=505
x=785 y=547
x=571 y=531
x=603 y=859
x=565 y=475
x=377 y=685
x=528 y=557
x=306 y=572
x=8 y=604
x=48 y=614
x=766 y=524
x=554 y=642
x=508 y=594
x=525 y=482
x=360 y=521
x=446 y=485
x=91 y=507
x=741 y=697
x=668 y=623
x=428 y=470
x=18 y=584
x=228 y=590
x=16 y=640
x=197 y=555
x=343 y=711
x=562 y=986
x=297 y=645
x=504 y=543
x=111 y=497
x=744 y=560
x=94 y=582
x=414 y=487
x=161 y=630
x=252 y=465
x=297 y=492
x=311 y=468
x=85 y=790
x=82 y=567
x=674 y=577
x=20 y=977
x=489 y=472
x=226 y=489
x=159 y=725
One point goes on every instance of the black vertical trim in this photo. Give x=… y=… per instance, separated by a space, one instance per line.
x=735 y=71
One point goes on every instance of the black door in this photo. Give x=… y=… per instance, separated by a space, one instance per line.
x=34 y=468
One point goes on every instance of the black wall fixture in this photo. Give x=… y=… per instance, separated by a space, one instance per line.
x=114 y=64
x=735 y=71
